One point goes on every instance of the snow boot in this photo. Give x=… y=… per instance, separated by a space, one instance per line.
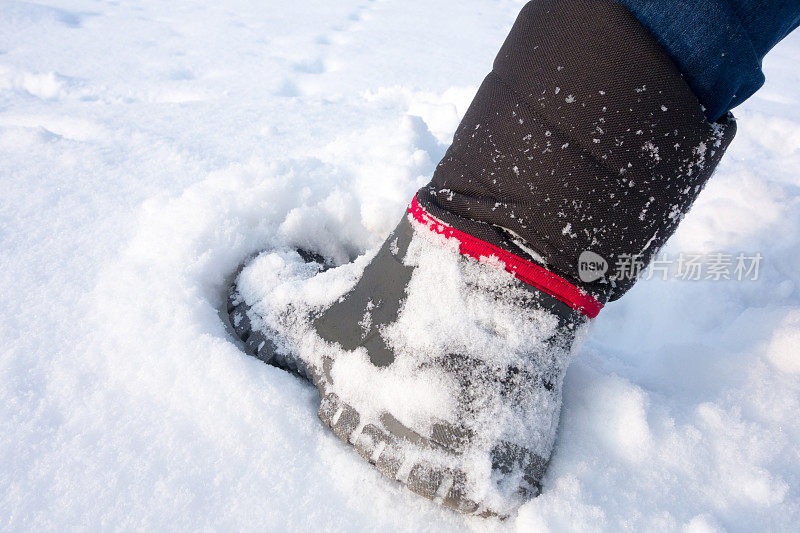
x=441 y=357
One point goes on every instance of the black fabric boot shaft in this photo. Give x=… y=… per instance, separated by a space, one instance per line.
x=583 y=138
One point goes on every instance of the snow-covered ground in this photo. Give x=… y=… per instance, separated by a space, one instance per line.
x=147 y=148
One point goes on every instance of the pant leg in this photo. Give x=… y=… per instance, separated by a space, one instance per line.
x=718 y=45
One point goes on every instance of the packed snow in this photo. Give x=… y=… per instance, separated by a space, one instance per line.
x=148 y=148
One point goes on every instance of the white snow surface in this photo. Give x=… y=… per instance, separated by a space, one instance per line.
x=147 y=148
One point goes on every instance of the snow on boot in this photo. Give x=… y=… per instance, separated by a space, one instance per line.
x=441 y=357
x=443 y=370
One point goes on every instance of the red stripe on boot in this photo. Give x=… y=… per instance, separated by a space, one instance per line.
x=524 y=270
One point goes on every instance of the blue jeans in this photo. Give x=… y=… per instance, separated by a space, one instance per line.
x=718 y=45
